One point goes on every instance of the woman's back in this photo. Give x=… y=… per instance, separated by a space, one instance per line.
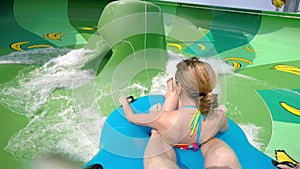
x=176 y=126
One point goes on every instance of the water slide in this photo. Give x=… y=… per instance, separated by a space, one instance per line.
x=56 y=53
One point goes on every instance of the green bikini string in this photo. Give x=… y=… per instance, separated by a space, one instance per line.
x=194 y=121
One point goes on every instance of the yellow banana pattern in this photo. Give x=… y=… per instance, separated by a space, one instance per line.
x=53 y=36
x=89 y=28
x=179 y=47
x=288 y=69
x=247 y=48
x=18 y=45
x=39 y=46
x=290 y=109
x=282 y=156
x=236 y=64
x=202 y=47
x=241 y=59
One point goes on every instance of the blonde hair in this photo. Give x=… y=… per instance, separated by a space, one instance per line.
x=198 y=79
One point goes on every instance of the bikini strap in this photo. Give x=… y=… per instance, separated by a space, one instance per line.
x=199 y=131
x=194 y=121
x=190 y=106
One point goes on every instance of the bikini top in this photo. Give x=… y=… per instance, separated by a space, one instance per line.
x=195 y=121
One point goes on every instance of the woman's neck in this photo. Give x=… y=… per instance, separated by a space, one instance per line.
x=186 y=103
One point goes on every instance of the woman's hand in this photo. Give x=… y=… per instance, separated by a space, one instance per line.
x=171 y=97
x=170 y=86
x=123 y=100
x=222 y=108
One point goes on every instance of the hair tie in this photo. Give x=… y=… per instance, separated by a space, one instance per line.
x=203 y=94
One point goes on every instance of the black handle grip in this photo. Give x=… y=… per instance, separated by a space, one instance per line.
x=131 y=99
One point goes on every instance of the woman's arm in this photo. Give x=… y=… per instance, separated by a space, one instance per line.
x=150 y=119
x=216 y=122
x=223 y=125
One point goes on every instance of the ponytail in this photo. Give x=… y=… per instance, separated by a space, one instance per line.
x=207 y=102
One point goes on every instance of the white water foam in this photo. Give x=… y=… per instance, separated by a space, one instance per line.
x=35 y=56
x=57 y=124
x=252 y=133
x=44 y=96
x=33 y=89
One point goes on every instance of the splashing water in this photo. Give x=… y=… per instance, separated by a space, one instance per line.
x=28 y=92
x=35 y=56
x=58 y=123
x=44 y=96
x=252 y=133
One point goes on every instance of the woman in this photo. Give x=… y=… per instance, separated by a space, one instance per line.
x=190 y=116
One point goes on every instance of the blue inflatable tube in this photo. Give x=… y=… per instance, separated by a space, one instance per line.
x=122 y=144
